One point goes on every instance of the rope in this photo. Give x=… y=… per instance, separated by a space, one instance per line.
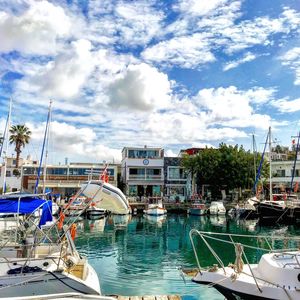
x=239 y=264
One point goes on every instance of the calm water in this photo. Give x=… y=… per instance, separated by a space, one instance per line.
x=135 y=255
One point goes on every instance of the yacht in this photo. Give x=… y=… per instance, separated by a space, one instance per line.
x=37 y=261
x=155 y=209
x=217 y=208
x=275 y=276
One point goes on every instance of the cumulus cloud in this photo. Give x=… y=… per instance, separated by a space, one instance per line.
x=140 y=87
x=74 y=142
x=286 y=105
x=292 y=59
x=64 y=76
x=233 y=107
x=36 y=30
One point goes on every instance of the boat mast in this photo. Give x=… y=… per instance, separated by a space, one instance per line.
x=270 y=163
x=254 y=155
x=47 y=145
x=295 y=160
x=42 y=154
x=6 y=139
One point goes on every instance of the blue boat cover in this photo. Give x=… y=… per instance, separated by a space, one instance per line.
x=27 y=205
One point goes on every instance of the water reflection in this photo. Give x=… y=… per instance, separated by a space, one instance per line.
x=134 y=255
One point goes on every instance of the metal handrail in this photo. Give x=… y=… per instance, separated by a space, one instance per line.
x=208 y=235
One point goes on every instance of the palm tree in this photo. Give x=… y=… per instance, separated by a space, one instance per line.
x=20 y=136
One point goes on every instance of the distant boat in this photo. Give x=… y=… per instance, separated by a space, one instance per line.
x=217 y=208
x=155 y=209
x=197 y=208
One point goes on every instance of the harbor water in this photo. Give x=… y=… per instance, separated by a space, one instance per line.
x=142 y=255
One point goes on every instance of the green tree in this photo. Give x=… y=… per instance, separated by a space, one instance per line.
x=227 y=167
x=19 y=136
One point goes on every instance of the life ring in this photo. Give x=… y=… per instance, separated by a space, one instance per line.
x=73 y=230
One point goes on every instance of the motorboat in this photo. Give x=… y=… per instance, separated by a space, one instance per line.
x=155 y=209
x=96 y=212
x=217 y=208
x=43 y=263
x=106 y=196
x=197 y=208
x=275 y=276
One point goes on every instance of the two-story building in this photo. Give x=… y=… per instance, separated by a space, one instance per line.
x=66 y=179
x=142 y=171
x=177 y=186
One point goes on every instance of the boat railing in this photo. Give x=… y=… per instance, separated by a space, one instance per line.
x=220 y=237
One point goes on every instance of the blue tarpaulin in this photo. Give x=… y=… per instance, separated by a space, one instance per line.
x=27 y=205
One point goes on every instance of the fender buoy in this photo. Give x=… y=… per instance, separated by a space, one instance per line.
x=61 y=220
x=73 y=231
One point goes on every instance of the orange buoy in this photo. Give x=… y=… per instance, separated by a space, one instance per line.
x=61 y=220
x=73 y=231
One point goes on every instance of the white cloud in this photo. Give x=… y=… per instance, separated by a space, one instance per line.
x=78 y=143
x=233 y=107
x=233 y=64
x=36 y=30
x=185 y=51
x=292 y=59
x=199 y=8
x=140 y=87
x=64 y=76
x=287 y=106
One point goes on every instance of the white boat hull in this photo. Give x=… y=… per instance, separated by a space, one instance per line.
x=107 y=196
x=244 y=285
x=155 y=211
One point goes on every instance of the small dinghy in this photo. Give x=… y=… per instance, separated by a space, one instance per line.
x=275 y=276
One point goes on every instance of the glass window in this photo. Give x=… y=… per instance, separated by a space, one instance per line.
x=280 y=173
x=133 y=171
x=176 y=173
x=132 y=190
x=8 y=174
x=297 y=173
x=156 y=190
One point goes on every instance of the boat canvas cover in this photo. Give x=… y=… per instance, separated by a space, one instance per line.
x=27 y=205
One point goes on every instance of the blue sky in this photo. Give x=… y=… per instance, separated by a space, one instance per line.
x=172 y=74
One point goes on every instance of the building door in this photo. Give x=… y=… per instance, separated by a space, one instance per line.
x=140 y=190
x=149 y=191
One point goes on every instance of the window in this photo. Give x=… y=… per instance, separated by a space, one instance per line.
x=176 y=173
x=297 y=173
x=280 y=173
x=8 y=173
x=136 y=171
x=132 y=190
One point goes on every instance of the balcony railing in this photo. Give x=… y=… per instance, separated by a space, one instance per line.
x=145 y=177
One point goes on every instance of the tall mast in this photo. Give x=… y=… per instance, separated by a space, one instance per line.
x=254 y=155
x=42 y=154
x=295 y=160
x=270 y=163
x=47 y=145
x=6 y=139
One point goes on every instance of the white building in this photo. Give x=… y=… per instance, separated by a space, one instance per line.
x=143 y=171
x=13 y=176
x=282 y=173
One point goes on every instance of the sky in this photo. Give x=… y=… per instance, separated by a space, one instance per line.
x=171 y=74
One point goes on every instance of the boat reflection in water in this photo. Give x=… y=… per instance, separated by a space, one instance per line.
x=119 y=221
x=219 y=221
x=159 y=220
x=95 y=225
x=250 y=225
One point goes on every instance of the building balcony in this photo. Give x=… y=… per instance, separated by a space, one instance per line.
x=145 y=177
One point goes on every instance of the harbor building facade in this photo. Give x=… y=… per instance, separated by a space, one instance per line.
x=142 y=171
x=66 y=179
x=177 y=186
